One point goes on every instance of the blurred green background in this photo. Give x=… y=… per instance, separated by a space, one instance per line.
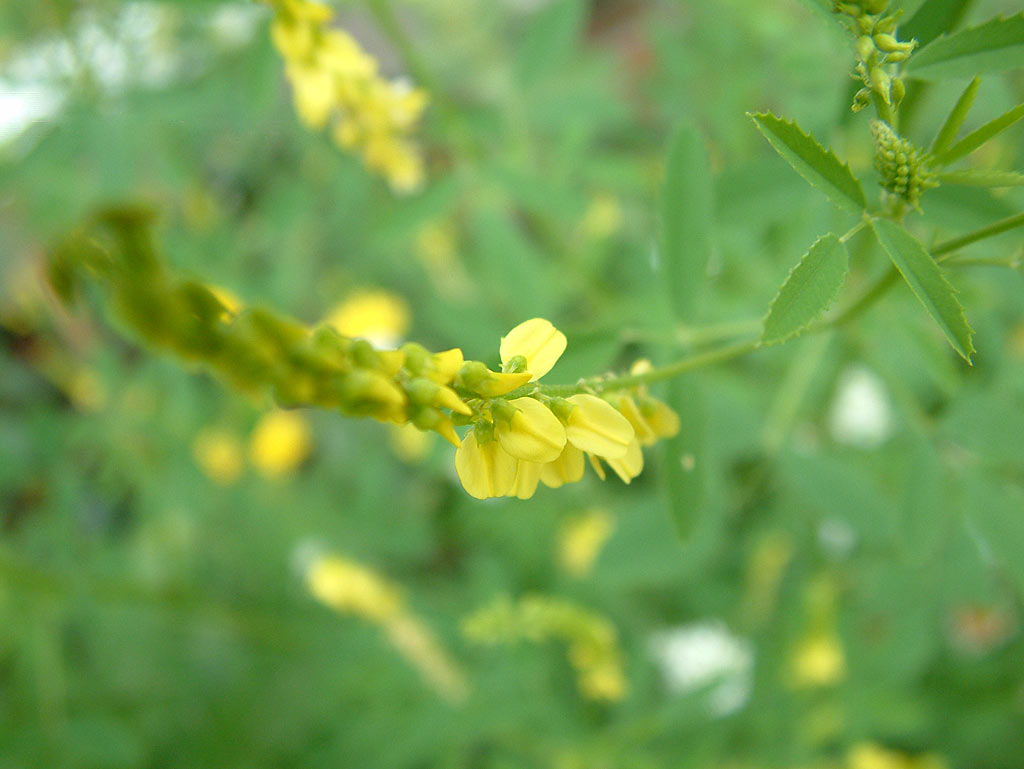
x=852 y=592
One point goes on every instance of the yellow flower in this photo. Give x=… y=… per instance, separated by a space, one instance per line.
x=537 y=342
x=280 y=442
x=603 y=217
x=530 y=431
x=582 y=538
x=349 y=588
x=486 y=470
x=380 y=317
x=568 y=468
x=819 y=661
x=409 y=443
x=594 y=426
x=627 y=467
x=219 y=455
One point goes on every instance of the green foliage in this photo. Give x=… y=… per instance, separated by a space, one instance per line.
x=954 y=122
x=995 y=46
x=928 y=283
x=933 y=18
x=808 y=291
x=980 y=136
x=819 y=166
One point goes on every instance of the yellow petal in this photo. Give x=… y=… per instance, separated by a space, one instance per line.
x=536 y=340
x=629 y=466
x=527 y=478
x=595 y=426
x=568 y=468
x=485 y=471
x=628 y=408
x=280 y=442
x=598 y=467
x=446 y=365
x=500 y=384
x=662 y=419
x=533 y=434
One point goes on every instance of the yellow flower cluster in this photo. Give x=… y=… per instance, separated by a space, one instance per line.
x=869 y=755
x=280 y=442
x=592 y=641
x=516 y=444
x=350 y=588
x=336 y=84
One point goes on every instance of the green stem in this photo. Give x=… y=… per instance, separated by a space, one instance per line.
x=867 y=297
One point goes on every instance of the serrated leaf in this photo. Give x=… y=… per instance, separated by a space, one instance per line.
x=928 y=283
x=995 y=46
x=686 y=220
x=684 y=458
x=808 y=291
x=947 y=134
x=980 y=136
x=932 y=18
x=819 y=166
x=980 y=178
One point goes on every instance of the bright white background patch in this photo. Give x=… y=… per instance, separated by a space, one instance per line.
x=860 y=415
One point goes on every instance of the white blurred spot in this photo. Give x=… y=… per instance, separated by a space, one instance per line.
x=706 y=655
x=860 y=414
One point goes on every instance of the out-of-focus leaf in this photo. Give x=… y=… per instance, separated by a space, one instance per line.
x=979 y=136
x=976 y=177
x=550 y=39
x=809 y=290
x=686 y=211
x=933 y=18
x=684 y=457
x=819 y=166
x=995 y=46
x=928 y=283
x=947 y=134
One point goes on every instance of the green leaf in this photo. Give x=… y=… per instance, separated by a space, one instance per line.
x=686 y=220
x=995 y=46
x=981 y=178
x=808 y=291
x=684 y=457
x=978 y=137
x=819 y=166
x=928 y=283
x=947 y=134
x=552 y=37
x=932 y=18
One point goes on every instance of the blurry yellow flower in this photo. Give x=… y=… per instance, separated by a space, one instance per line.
x=531 y=432
x=219 y=455
x=336 y=83
x=819 y=661
x=280 y=442
x=870 y=755
x=380 y=317
x=409 y=443
x=227 y=298
x=485 y=470
x=538 y=342
x=594 y=426
x=349 y=588
x=582 y=538
x=603 y=218
x=86 y=390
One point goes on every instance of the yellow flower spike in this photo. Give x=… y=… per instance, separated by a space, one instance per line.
x=527 y=479
x=530 y=432
x=349 y=588
x=486 y=470
x=536 y=340
x=662 y=419
x=628 y=408
x=280 y=442
x=391 y=361
x=594 y=425
x=568 y=468
x=629 y=466
x=582 y=538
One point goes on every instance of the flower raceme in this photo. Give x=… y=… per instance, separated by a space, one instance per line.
x=336 y=83
x=516 y=444
x=520 y=435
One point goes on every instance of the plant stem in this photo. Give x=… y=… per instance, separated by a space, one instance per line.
x=867 y=297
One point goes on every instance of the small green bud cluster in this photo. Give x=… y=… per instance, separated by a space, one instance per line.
x=877 y=49
x=902 y=168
